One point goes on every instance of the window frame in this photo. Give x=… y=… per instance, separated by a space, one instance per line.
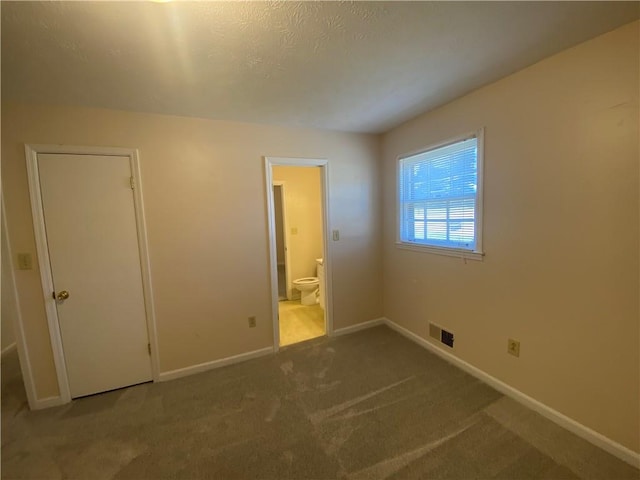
x=478 y=252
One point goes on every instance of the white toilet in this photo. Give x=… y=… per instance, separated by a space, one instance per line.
x=308 y=287
x=320 y=269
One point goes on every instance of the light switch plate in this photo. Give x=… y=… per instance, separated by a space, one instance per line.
x=513 y=347
x=336 y=235
x=24 y=261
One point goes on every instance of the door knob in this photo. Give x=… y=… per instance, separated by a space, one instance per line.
x=63 y=295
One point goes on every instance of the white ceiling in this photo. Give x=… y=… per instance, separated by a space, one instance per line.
x=357 y=66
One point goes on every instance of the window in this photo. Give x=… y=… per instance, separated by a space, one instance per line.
x=440 y=197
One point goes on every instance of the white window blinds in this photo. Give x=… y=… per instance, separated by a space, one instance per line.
x=438 y=192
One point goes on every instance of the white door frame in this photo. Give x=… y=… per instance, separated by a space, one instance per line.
x=31 y=154
x=18 y=328
x=285 y=240
x=269 y=163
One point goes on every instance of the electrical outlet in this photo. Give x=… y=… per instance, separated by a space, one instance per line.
x=513 y=347
x=252 y=321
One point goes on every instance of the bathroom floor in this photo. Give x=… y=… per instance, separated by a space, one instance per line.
x=299 y=322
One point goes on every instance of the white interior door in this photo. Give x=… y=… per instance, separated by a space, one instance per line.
x=92 y=240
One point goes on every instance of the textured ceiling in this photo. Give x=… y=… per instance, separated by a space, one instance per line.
x=358 y=66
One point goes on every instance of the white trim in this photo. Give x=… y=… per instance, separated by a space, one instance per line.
x=478 y=252
x=480 y=191
x=359 y=326
x=48 y=402
x=285 y=239
x=327 y=260
x=448 y=252
x=222 y=362
x=80 y=150
x=269 y=163
x=18 y=327
x=443 y=143
x=597 y=439
x=145 y=265
x=8 y=349
x=31 y=155
x=273 y=254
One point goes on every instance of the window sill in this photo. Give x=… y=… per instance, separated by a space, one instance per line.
x=448 y=252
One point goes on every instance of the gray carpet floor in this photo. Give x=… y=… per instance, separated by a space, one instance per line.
x=370 y=405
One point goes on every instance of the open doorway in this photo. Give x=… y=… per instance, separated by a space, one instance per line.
x=279 y=205
x=298 y=249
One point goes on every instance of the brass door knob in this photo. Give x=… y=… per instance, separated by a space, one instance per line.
x=63 y=295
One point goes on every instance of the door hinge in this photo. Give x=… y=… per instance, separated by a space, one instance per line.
x=149 y=348
x=132 y=182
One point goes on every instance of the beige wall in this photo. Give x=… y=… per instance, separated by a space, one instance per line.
x=561 y=270
x=303 y=205
x=204 y=193
x=560 y=235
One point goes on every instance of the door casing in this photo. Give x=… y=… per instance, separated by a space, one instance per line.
x=285 y=240
x=18 y=327
x=269 y=162
x=46 y=278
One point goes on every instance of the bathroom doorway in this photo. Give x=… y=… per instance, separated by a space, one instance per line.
x=279 y=205
x=297 y=207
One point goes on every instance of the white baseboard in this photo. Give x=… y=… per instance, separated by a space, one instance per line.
x=181 y=372
x=359 y=326
x=597 y=439
x=203 y=367
x=42 y=403
x=8 y=349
